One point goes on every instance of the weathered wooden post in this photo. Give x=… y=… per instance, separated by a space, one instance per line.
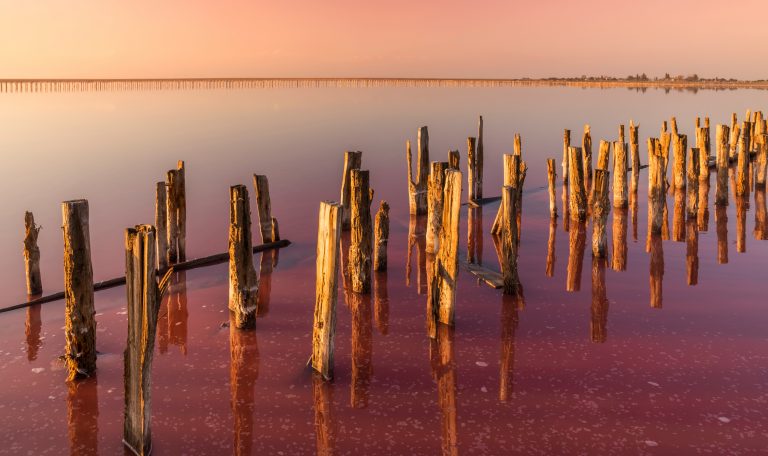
x=620 y=199
x=514 y=174
x=551 y=177
x=761 y=160
x=264 y=205
x=417 y=189
x=177 y=213
x=360 y=246
x=327 y=276
x=80 y=316
x=275 y=230
x=578 y=201
x=480 y=143
x=742 y=164
x=444 y=272
x=655 y=186
x=703 y=143
x=509 y=239
x=634 y=149
x=474 y=171
x=143 y=307
x=243 y=282
x=354 y=160
x=603 y=155
x=435 y=204
x=679 y=151
x=600 y=209
x=721 y=189
x=566 y=146
x=734 y=141
x=161 y=225
x=518 y=146
x=692 y=203
x=381 y=238
x=453 y=159
x=32 y=255
x=586 y=148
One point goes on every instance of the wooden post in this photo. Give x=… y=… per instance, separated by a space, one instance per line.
x=180 y=197
x=673 y=126
x=761 y=160
x=275 y=230
x=161 y=224
x=619 y=175
x=586 y=147
x=453 y=159
x=444 y=271
x=513 y=169
x=264 y=205
x=80 y=316
x=721 y=189
x=678 y=165
x=32 y=255
x=600 y=209
x=734 y=142
x=243 y=282
x=518 y=146
x=578 y=201
x=655 y=186
x=634 y=149
x=474 y=171
x=742 y=164
x=566 y=146
x=361 y=238
x=509 y=239
x=172 y=184
x=327 y=276
x=417 y=189
x=551 y=177
x=761 y=228
x=666 y=140
x=480 y=146
x=382 y=238
x=603 y=155
x=143 y=307
x=692 y=174
x=435 y=204
x=354 y=160
x=703 y=143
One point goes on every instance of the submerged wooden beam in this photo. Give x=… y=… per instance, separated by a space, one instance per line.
x=32 y=255
x=490 y=277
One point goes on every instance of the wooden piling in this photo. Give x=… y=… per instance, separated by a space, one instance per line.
x=161 y=225
x=180 y=196
x=551 y=177
x=679 y=152
x=243 y=282
x=362 y=233
x=634 y=149
x=692 y=184
x=742 y=163
x=453 y=159
x=32 y=255
x=417 y=189
x=143 y=306
x=518 y=145
x=600 y=209
x=586 y=148
x=480 y=142
x=566 y=146
x=80 y=316
x=381 y=238
x=761 y=160
x=474 y=171
x=354 y=160
x=275 y=230
x=734 y=142
x=620 y=198
x=578 y=202
x=514 y=174
x=703 y=143
x=435 y=204
x=603 y=155
x=721 y=189
x=509 y=240
x=327 y=276
x=655 y=186
x=176 y=208
x=264 y=205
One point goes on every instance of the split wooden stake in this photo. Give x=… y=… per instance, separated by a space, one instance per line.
x=692 y=190
x=586 y=148
x=264 y=205
x=703 y=143
x=634 y=149
x=655 y=186
x=243 y=282
x=382 y=238
x=177 y=214
x=435 y=204
x=32 y=255
x=566 y=146
x=742 y=164
x=360 y=247
x=354 y=160
x=453 y=159
x=761 y=160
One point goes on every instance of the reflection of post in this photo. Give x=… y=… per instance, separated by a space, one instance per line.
x=32 y=329
x=177 y=311
x=416 y=237
x=551 y=247
x=721 y=219
x=362 y=349
x=657 y=270
x=678 y=216
x=598 y=325
x=243 y=373
x=566 y=212
x=475 y=235
x=325 y=429
x=509 y=322
x=442 y=354
x=760 y=226
x=633 y=211
x=381 y=302
x=692 y=252
x=619 y=257
x=266 y=266
x=576 y=243
x=742 y=203
x=83 y=417
x=702 y=219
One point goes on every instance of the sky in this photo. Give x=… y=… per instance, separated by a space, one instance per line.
x=395 y=38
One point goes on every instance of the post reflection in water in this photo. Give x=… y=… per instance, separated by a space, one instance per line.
x=598 y=323
x=633 y=212
x=692 y=251
x=83 y=417
x=551 y=247
x=441 y=353
x=742 y=205
x=576 y=242
x=760 y=232
x=177 y=311
x=325 y=427
x=243 y=373
x=619 y=257
x=362 y=349
x=475 y=234
x=566 y=213
x=344 y=260
x=381 y=302
x=417 y=237
x=32 y=329
x=509 y=321
x=657 y=270
x=665 y=220
x=678 y=216
x=266 y=265
x=702 y=218
x=721 y=220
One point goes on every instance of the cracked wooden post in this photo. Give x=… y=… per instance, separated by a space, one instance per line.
x=692 y=190
x=180 y=196
x=734 y=140
x=381 y=238
x=435 y=204
x=721 y=189
x=634 y=150
x=655 y=186
x=474 y=171
x=275 y=230
x=453 y=159
x=761 y=160
x=600 y=209
x=512 y=171
x=143 y=307
x=264 y=205
x=586 y=148
x=417 y=189
x=480 y=150
x=243 y=282
x=703 y=143
x=578 y=203
x=361 y=241
x=603 y=155
x=80 y=316
x=32 y=255
x=742 y=163
x=509 y=240
x=353 y=160
x=620 y=198
x=566 y=146
x=666 y=140
x=326 y=287
x=679 y=152
x=176 y=208
x=551 y=177
x=161 y=225
x=443 y=275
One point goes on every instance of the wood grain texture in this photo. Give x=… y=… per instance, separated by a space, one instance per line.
x=264 y=206
x=361 y=237
x=353 y=160
x=32 y=255
x=243 y=282
x=381 y=238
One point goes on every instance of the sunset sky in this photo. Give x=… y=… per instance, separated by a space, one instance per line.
x=397 y=38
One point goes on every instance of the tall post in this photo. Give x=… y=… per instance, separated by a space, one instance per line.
x=143 y=307
x=518 y=147
x=177 y=214
x=161 y=225
x=381 y=238
x=600 y=209
x=566 y=146
x=721 y=190
x=509 y=240
x=80 y=316
x=360 y=247
x=586 y=148
x=243 y=282
x=514 y=173
x=742 y=164
x=734 y=141
x=327 y=276
x=620 y=198
x=180 y=196
x=761 y=160
x=474 y=171
x=417 y=189
x=264 y=205
x=578 y=200
x=679 y=151
x=353 y=160
x=435 y=204
x=551 y=177
x=655 y=186
x=703 y=143
x=32 y=255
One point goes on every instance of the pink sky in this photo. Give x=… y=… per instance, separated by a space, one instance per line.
x=327 y=38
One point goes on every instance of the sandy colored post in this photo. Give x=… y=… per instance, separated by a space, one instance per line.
x=32 y=255
x=512 y=176
x=634 y=149
x=603 y=155
x=243 y=282
x=586 y=148
x=80 y=316
x=721 y=220
x=566 y=145
x=600 y=209
x=172 y=184
x=327 y=277
x=435 y=204
x=453 y=159
x=518 y=146
x=474 y=171
x=673 y=126
x=761 y=160
x=703 y=143
x=620 y=197
x=551 y=177
x=578 y=202
x=264 y=205
x=761 y=228
x=354 y=160
x=509 y=239
x=742 y=164
x=692 y=177
x=577 y=238
x=734 y=142
x=143 y=306
x=679 y=151
x=655 y=186
x=417 y=189
x=721 y=190
x=360 y=247
x=666 y=140
x=381 y=238
x=275 y=230
x=161 y=225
